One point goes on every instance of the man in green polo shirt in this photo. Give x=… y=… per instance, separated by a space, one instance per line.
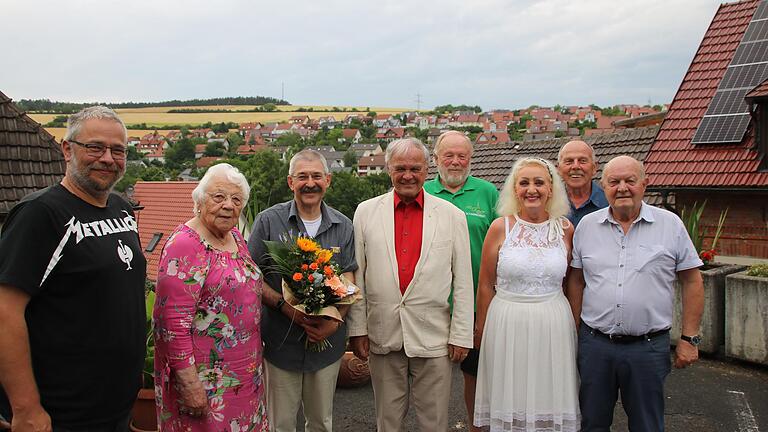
x=477 y=199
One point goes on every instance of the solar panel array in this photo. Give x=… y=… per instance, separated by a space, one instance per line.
x=727 y=117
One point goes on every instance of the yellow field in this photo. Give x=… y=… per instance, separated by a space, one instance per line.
x=161 y=116
x=250 y=107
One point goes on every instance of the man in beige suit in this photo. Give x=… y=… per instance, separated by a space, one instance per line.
x=413 y=254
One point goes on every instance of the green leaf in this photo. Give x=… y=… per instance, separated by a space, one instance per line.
x=230 y=381
x=213 y=357
x=149 y=304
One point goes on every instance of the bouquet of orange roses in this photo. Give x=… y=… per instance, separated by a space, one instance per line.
x=312 y=281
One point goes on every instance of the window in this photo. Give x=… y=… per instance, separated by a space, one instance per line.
x=153 y=243
x=761 y=134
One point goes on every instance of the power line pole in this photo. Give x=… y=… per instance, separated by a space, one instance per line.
x=418 y=101
x=282 y=91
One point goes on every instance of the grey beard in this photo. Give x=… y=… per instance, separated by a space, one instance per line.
x=89 y=185
x=453 y=180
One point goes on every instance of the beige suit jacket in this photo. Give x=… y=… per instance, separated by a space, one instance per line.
x=418 y=321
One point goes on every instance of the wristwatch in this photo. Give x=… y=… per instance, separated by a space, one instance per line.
x=693 y=340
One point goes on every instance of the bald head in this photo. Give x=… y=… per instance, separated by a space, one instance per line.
x=624 y=185
x=625 y=163
x=576 y=146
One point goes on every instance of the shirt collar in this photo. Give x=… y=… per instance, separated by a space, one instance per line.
x=419 y=199
x=645 y=214
x=598 y=195
x=331 y=218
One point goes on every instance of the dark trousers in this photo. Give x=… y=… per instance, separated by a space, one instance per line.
x=637 y=370
x=120 y=425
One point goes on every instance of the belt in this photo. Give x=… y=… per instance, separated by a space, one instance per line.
x=624 y=339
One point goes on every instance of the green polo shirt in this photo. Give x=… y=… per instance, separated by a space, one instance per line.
x=477 y=199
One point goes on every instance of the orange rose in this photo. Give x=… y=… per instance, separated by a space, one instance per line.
x=304 y=267
x=313 y=266
x=328 y=270
x=297 y=277
x=306 y=244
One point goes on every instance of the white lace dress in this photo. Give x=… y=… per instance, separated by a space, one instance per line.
x=527 y=378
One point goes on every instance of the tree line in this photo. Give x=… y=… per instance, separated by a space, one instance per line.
x=55 y=107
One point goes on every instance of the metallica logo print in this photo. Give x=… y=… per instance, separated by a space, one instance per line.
x=82 y=266
x=97 y=228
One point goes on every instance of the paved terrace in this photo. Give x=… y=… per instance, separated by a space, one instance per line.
x=712 y=395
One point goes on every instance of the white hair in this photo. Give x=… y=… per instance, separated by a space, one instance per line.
x=557 y=205
x=307 y=155
x=97 y=112
x=444 y=135
x=220 y=170
x=403 y=145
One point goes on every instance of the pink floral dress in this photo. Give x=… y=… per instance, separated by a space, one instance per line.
x=207 y=314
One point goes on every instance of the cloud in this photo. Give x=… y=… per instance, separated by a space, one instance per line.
x=487 y=52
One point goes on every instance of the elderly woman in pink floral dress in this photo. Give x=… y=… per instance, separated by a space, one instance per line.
x=208 y=352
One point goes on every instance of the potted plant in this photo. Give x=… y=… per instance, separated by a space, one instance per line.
x=746 y=323
x=143 y=414
x=691 y=218
x=712 y=327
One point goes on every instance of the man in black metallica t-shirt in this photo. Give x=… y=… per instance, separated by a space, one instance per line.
x=72 y=291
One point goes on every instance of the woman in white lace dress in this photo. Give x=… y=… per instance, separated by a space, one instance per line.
x=527 y=378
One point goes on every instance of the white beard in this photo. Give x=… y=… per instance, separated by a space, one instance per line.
x=452 y=180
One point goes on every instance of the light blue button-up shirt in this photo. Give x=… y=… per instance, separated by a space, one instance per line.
x=630 y=277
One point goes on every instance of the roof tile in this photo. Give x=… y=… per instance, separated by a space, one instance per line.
x=675 y=162
x=166 y=206
x=30 y=157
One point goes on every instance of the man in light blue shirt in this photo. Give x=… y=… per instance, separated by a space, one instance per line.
x=576 y=165
x=621 y=289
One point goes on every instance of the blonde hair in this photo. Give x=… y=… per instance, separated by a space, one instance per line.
x=557 y=205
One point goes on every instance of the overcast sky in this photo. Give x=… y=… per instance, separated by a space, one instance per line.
x=492 y=53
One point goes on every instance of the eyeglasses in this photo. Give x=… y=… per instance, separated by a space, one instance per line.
x=220 y=197
x=98 y=150
x=305 y=177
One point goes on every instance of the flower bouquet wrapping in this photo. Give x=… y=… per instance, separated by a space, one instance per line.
x=312 y=280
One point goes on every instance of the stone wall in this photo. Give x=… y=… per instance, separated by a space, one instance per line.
x=746 y=317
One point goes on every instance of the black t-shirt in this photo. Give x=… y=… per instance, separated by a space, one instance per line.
x=84 y=269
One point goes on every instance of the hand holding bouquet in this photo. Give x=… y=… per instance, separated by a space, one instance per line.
x=312 y=281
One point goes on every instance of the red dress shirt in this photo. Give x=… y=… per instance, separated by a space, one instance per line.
x=409 y=221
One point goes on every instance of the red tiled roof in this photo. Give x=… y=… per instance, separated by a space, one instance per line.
x=372 y=161
x=760 y=91
x=673 y=161
x=166 y=206
x=349 y=133
x=493 y=162
x=206 y=161
x=493 y=138
x=245 y=149
x=606 y=122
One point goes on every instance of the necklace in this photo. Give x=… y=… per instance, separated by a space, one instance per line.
x=220 y=242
